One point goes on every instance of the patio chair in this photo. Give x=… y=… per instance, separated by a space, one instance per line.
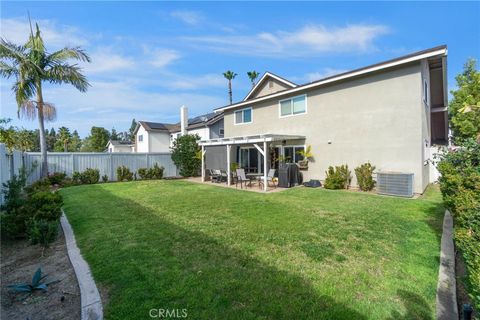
x=223 y=176
x=242 y=179
x=216 y=175
x=270 y=178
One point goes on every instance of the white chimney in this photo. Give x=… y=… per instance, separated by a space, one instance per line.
x=183 y=120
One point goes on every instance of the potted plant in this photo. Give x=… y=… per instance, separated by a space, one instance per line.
x=306 y=155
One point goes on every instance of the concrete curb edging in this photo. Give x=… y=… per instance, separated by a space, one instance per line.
x=446 y=304
x=90 y=301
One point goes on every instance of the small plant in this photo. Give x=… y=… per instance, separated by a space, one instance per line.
x=338 y=177
x=90 y=176
x=143 y=173
x=123 y=173
x=364 y=174
x=104 y=178
x=56 y=178
x=307 y=153
x=43 y=232
x=37 y=283
x=76 y=177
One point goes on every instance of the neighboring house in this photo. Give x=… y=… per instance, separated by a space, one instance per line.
x=120 y=146
x=388 y=113
x=153 y=136
x=159 y=137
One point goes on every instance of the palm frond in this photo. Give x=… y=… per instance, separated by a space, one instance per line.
x=9 y=50
x=35 y=41
x=64 y=73
x=7 y=70
x=49 y=112
x=28 y=110
x=64 y=54
x=24 y=90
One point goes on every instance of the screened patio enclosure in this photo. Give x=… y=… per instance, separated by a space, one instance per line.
x=256 y=153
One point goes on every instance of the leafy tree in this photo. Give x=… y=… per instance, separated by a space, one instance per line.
x=63 y=140
x=75 y=142
x=253 y=75
x=114 y=135
x=184 y=152
x=32 y=65
x=464 y=108
x=25 y=140
x=7 y=134
x=131 y=136
x=97 y=140
x=230 y=75
x=51 y=139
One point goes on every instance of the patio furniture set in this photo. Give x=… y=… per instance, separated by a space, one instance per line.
x=244 y=179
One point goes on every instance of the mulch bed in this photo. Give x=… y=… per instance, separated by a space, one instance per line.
x=19 y=261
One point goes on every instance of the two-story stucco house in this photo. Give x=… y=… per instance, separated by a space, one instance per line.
x=388 y=113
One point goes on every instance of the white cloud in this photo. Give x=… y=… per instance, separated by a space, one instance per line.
x=55 y=36
x=106 y=60
x=196 y=82
x=160 y=57
x=309 y=40
x=188 y=17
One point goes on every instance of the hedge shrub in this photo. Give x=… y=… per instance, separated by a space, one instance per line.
x=123 y=173
x=338 y=177
x=155 y=172
x=364 y=174
x=460 y=186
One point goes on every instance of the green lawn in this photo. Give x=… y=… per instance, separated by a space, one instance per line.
x=229 y=254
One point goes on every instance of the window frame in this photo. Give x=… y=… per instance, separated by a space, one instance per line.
x=291 y=106
x=293 y=146
x=140 y=138
x=242 y=110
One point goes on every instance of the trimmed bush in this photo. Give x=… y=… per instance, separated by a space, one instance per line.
x=76 y=177
x=56 y=178
x=153 y=173
x=338 y=177
x=46 y=205
x=460 y=186
x=124 y=174
x=42 y=232
x=90 y=176
x=364 y=174
x=104 y=178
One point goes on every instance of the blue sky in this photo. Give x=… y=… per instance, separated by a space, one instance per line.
x=149 y=58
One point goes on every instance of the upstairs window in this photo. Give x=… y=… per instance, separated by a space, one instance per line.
x=293 y=106
x=243 y=116
x=140 y=138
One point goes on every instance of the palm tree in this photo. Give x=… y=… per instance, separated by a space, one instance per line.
x=253 y=75
x=32 y=65
x=230 y=75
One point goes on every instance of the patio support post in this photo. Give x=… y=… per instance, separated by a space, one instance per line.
x=228 y=165
x=265 y=160
x=203 y=163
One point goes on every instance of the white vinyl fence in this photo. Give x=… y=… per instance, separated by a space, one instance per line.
x=68 y=162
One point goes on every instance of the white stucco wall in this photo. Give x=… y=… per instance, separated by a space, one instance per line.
x=120 y=148
x=142 y=146
x=204 y=133
x=159 y=141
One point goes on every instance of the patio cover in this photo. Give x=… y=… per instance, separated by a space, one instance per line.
x=253 y=139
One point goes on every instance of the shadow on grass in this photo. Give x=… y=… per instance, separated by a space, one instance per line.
x=416 y=306
x=150 y=263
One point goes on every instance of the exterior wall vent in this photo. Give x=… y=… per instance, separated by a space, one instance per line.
x=395 y=184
